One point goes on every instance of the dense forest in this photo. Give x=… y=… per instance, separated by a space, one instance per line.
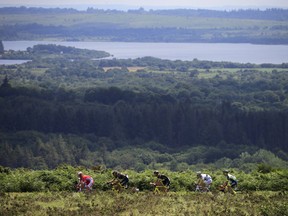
x=181 y=25
x=85 y=111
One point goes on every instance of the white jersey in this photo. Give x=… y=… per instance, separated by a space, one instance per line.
x=206 y=178
x=231 y=177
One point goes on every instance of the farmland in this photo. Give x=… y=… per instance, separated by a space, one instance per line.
x=136 y=21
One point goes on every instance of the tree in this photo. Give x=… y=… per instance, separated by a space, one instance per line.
x=1 y=47
x=5 y=83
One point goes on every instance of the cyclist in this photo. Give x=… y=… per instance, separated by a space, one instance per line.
x=120 y=178
x=85 y=180
x=204 y=181
x=230 y=184
x=163 y=179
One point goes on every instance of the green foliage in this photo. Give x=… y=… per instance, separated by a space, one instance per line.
x=52 y=51
x=274 y=208
x=90 y=113
x=264 y=168
x=64 y=178
x=39 y=151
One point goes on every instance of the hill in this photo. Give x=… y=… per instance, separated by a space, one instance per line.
x=243 y=26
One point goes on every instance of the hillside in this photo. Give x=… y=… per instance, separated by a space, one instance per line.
x=243 y=26
x=153 y=111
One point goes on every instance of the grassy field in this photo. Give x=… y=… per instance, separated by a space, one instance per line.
x=144 y=203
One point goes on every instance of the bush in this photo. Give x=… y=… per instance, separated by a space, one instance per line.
x=64 y=177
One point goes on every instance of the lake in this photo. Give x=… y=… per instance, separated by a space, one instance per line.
x=12 y=62
x=242 y=53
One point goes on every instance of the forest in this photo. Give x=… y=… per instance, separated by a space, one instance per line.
x=166 y=114
x=182 y=25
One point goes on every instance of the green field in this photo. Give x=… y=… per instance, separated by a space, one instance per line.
x=144 y=203
x=137 y=21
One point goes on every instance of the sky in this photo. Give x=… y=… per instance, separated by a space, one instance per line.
x=149 y=4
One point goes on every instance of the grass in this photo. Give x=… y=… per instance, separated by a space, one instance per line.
x=130 y=69
x=144 y=203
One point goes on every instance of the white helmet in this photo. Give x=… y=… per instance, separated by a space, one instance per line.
x=80 y=173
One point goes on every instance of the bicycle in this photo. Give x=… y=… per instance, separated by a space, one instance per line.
x=226 y=188
x=159 y=187
x=200 y=186
x=117 y=186
x=80 y=186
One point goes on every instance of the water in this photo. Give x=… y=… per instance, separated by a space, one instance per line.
x=12 y=62
x=241 y=53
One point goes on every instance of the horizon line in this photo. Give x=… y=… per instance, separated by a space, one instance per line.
x=146 y=8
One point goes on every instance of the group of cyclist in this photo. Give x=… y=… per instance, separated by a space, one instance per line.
x=162 y=183
x=204 y=182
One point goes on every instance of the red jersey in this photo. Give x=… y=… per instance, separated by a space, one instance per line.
x=86 y=178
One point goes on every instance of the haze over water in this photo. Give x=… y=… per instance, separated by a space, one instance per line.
x=241 y=53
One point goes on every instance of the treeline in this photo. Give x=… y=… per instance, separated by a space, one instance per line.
x=117 y=118
x=164 y=34
x=124 y=115
x=184 y=66
x=52 y=51
x=268 y=14
x=32 y=149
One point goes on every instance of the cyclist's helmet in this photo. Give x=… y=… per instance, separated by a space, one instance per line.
x=115 y=173
x=225 y=171
x=156 y=172
x=198 y=173
x=80 y=173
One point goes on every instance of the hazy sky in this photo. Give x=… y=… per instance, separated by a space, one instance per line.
x=229 y=4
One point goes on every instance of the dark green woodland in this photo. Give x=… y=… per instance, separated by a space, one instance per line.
x=59 y=109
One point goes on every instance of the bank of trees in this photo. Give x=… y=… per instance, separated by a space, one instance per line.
x=52 y=51
x=87 y=109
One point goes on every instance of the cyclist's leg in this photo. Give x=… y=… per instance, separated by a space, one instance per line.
x=207 y=185
x=124 y=183
x=90 y=185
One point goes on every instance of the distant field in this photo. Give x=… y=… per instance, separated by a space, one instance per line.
x=130 y=69
x=137 y=21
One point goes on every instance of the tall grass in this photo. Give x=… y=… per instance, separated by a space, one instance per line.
x=173 y=203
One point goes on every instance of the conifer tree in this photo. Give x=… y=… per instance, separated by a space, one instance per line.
x=6 y=83
x=1 y=47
